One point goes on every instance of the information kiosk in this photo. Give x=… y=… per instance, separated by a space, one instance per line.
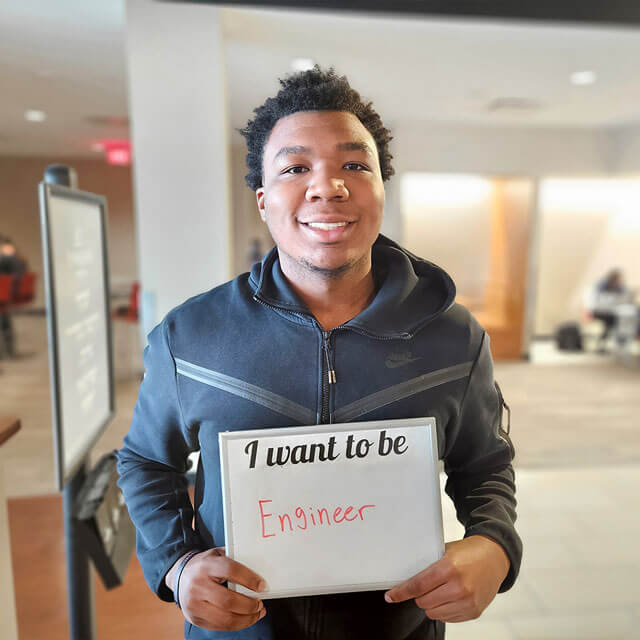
x=82 y=391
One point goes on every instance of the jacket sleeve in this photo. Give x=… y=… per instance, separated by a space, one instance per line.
x=478 y=456
x=152 y=466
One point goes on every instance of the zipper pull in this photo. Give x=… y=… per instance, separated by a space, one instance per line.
x=331 y=373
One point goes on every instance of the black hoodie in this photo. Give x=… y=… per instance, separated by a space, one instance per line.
x=248 y=354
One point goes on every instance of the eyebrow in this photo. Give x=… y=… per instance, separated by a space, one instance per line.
x=342 y=146
x=355 y=146
x=296 y=150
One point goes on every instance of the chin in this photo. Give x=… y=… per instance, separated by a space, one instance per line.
x=328 y=269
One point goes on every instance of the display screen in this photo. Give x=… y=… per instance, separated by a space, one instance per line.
x=78 y=321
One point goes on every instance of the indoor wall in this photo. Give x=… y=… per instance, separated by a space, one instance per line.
x=478 y=229
x=587 y=227
x=20 y=212
x=247 y=227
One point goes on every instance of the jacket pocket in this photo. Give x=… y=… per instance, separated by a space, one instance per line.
x=503 y=431
x=401 y=391
x=246 y=390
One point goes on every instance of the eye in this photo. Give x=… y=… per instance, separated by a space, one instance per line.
x=296 y=169
x=355 y=166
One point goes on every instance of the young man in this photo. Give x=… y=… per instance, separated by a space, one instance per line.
x=336 y=324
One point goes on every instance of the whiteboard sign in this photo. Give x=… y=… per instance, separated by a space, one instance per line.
x=78 y=323
x=332 y=508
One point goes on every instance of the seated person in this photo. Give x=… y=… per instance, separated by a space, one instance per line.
x=10 y=264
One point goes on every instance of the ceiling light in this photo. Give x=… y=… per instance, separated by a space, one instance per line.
x=35 y=115
x=302 y=64
x=583 y=78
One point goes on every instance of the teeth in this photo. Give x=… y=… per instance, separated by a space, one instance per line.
x=327 y=226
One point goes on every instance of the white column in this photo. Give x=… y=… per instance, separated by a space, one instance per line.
x=392 y=223
x=177 y=105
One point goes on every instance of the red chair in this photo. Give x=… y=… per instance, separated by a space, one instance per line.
x=6 y=282
x=6 y=331
x=26 y=289
x=130 y=312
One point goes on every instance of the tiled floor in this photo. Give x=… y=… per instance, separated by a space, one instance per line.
x=581 y=566
x=576 y=427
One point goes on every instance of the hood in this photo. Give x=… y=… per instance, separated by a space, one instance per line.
x=411 y=292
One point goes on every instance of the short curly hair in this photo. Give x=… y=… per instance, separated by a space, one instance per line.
x=312 y=90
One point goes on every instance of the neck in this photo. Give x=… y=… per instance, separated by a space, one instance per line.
x=332 y=299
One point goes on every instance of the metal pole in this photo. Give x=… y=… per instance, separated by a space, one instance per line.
x=79 y=576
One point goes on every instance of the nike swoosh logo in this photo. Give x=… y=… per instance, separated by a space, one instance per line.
x=392 y=364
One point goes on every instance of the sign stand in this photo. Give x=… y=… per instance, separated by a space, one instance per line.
x=77 y=288
x=81 y=603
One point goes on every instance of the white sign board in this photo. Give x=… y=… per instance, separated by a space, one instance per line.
x=332 y=508
x=75 y=258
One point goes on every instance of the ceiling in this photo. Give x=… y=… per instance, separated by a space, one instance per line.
x=443 y=70
x=68 y=59
x=589 y=11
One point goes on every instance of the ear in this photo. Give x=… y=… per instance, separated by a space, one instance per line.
x=260 y=201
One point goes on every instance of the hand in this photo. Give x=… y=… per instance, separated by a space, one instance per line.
x=209 y=604
x=461 y=584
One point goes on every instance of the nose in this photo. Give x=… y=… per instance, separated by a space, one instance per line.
x=324 y=187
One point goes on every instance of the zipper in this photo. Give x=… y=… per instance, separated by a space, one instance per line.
x=362 y=332
x=328 y=354
x=275 y=308
x=328 y=373
x=328 y=377
x=328 y=370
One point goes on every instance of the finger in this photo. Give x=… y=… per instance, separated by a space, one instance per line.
x=211 y=617
x=451 y=612
x=424 y=582
x=444 y=594
x=221 y=568
x=233 y=601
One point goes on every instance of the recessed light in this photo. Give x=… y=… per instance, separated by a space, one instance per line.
x=302 y=64
x=35 y=115
x=583 y=78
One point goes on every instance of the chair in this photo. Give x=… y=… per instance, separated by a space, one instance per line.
x=6 y=282
x=6 y=332
x=25 y=291
x=130 y=312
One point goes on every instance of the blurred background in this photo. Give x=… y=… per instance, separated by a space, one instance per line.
x=517 y=156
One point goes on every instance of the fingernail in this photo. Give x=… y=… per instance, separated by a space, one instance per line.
x=262 y=585
x=388 y=598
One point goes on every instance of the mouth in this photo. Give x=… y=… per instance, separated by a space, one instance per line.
x=328 y=231
x=326 y=226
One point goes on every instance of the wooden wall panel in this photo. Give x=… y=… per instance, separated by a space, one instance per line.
x=502 y=313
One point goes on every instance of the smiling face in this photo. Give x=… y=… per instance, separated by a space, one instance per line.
x=322 y=195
